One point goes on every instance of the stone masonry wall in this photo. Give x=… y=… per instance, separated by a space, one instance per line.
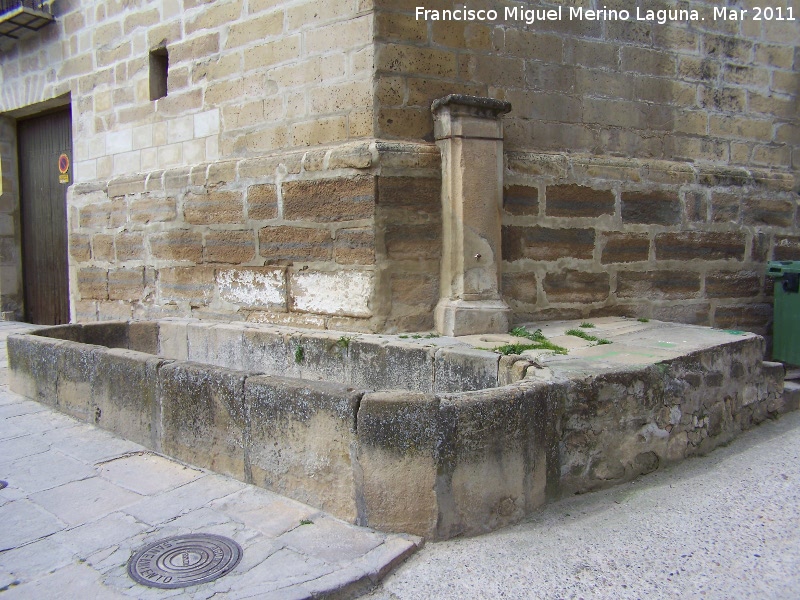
x=589 y=236
x=722 y=91
x=341 y=238
x=246 y=77
x=615 y=426
x=350 y=238
x=651 y=170
x=11 y=298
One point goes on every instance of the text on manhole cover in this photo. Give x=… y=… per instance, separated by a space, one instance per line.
x=184 y=560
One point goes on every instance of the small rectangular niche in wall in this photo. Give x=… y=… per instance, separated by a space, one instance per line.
x=159 y=66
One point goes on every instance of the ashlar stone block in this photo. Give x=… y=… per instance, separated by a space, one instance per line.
x=33 y=367
x=301 y=435
x=203 y=416
x=376 y=365
x=461 y=369
x=77 y=366
x=397 y=457
x=125 y=395
x=492 y=459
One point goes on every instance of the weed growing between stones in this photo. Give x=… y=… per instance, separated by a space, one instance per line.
x=299 y=354
x=587 y=325
x=537 y=337
x=589 y=338
x=514 y=348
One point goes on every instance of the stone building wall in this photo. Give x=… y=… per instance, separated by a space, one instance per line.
x=159 y=194
x=715 y=90
x=290 y=176
x=587 y=236
x=651 y=170
x=245 y=78
x=11 y=297
x=342 y=238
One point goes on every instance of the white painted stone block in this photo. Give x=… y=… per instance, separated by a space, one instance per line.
x=80 y=150
x=170 y=155
x=96 y=146
x=340 y=293
x=149 y=159
x=212 y=148
x=253 y=287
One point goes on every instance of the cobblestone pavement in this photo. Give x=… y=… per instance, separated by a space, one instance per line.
x=724 y=526
x=80 y=501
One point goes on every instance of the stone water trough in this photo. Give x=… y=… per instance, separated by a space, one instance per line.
x=434 y=436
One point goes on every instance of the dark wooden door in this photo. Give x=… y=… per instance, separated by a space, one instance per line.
x=42 y=141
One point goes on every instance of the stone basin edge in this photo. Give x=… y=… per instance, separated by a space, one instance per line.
x=427 y=460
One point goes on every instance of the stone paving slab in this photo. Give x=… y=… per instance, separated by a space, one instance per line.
x=80 y=501
x=146 y=473
x=633 y=343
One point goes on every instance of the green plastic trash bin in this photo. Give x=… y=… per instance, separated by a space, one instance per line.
x=786 y=319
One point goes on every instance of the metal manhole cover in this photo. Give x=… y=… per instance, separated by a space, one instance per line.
x=184 y=560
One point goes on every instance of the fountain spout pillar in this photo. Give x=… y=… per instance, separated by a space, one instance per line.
x=469 y=134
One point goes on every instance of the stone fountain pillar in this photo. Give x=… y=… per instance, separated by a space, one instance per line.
x=469 y=134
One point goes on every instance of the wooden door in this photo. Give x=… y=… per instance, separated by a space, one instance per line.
x=45 y=157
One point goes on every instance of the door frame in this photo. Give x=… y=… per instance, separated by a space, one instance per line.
x=57 y=105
